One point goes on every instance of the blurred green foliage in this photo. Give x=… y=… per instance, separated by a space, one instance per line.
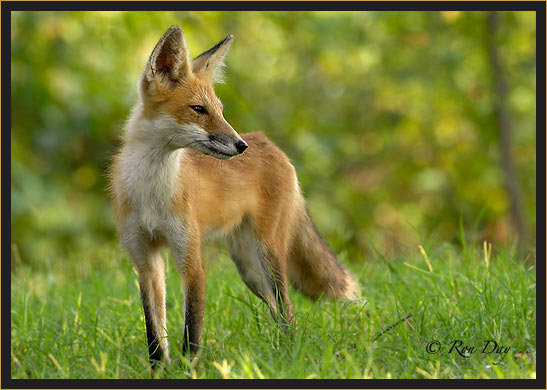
x=387 y=116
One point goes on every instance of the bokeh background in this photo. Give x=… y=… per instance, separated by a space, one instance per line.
x=403 y=126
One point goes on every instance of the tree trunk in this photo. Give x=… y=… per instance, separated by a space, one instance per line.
x=503 y=123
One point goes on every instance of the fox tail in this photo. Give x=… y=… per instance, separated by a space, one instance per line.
x=314 y=268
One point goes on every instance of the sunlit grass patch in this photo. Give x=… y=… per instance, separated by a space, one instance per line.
x=81 y=318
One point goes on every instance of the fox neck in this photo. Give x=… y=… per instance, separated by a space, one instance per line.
x=150 y=172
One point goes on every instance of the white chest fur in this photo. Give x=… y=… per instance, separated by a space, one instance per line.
x=150 y=176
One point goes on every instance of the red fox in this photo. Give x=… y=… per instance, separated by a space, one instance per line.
x=169 y=188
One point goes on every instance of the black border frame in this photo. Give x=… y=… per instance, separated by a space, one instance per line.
x=7 y=6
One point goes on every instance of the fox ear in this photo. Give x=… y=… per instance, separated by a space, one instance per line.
x=209 y=64
x=170 y=59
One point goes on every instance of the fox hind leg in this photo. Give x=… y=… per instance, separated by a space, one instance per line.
x=276 y=261
x=261 y=271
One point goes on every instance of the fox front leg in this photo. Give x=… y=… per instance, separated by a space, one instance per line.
x=190 y=267
x=151 y=269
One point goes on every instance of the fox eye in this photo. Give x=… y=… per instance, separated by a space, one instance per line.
x=199 y=109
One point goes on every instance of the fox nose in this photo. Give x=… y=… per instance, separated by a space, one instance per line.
x=241 y=146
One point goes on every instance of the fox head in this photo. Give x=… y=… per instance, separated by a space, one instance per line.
x=179 y=101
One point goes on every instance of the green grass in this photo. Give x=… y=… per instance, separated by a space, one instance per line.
x=81 y=318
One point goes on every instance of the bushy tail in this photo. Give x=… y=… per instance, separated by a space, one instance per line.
x=313 y=267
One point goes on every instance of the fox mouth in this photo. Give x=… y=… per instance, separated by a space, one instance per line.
x=220 y=154
x=220 y=146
